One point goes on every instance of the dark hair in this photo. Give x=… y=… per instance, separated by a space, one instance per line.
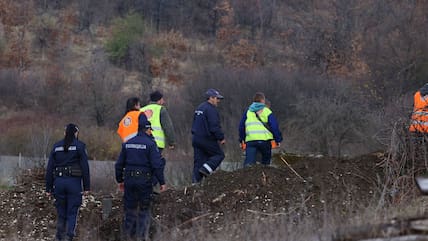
x=155 y=96
x=70 y=130
x=130 y=104
x=258 y=97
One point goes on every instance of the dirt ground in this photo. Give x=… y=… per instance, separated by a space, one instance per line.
x=315 y=185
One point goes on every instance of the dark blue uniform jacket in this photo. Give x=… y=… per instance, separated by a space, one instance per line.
x=140 y=153
x=76 y=156
x=206 y=122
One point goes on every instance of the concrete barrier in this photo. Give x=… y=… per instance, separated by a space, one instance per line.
x=177 y=173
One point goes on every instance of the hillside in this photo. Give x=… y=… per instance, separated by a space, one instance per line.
x=249 y=202
x=340 y=76
x=334 y=70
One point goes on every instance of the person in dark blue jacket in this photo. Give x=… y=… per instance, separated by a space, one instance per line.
x=67 y=168
x=138 y=163
x=207 y=136
x=257 y=129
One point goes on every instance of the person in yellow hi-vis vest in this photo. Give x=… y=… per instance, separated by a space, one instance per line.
x=163 y=129
x=257 y=129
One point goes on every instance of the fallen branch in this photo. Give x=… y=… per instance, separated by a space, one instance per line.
x=292 y=169
x=192 y=220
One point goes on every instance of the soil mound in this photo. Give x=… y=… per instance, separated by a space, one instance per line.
x=307 y=185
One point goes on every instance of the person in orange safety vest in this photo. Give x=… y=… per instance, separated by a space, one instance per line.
x=419 y=119
x=128 y=126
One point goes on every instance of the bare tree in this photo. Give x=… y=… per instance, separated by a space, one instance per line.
x=102 y=85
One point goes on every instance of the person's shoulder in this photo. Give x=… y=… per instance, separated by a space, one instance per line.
x=203 y=104
x=147 y=140
x=133 y=139
x=80 y=143
x=58 y=143
x=163 y=109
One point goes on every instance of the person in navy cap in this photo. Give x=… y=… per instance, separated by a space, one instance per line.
x=138 y=163
x=66 y=171
x=207 y=136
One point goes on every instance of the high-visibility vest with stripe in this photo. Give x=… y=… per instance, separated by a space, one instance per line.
x=128 y=126
x=419 y=121
x=254 y=129
x=152 y=111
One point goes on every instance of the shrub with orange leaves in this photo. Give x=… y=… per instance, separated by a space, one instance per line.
x=243 y=54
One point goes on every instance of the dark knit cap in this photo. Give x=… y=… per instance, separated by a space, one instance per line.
x=155 y=96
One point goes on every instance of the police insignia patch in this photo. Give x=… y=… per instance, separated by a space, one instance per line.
x=127 y=121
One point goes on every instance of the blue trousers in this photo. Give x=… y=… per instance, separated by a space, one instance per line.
x=205 y=152
x=264 y=147
x=137 y=201
x=68 y=198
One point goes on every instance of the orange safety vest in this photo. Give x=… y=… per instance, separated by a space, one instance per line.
x=419 y=122
x=128 y=126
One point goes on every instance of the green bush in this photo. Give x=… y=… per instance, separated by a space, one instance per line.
x=125 y=32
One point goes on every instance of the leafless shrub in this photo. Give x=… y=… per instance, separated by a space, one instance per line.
x=102 y=85
x=315 y=114
x=406 y=158
x=332 y=119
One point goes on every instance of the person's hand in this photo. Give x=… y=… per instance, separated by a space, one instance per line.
x=163 y=188
x=48 y=194
x=121 y=187
x=243 y=145
x=171 y=147
x=222 y=142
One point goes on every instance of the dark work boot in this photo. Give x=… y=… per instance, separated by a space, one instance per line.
x=204 y=172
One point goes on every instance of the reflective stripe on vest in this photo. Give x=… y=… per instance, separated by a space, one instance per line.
x=152 y=112
x=128 y=126
x=419 y=122
x=254 y=129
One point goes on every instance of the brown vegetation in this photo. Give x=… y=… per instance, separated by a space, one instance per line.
x=340 y=74
x=53 y=59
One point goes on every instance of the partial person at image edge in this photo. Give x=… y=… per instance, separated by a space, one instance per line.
x=419 y=118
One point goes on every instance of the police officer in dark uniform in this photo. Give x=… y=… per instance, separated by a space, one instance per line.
x=67 y=168
x=138 y=163
x=207 y=136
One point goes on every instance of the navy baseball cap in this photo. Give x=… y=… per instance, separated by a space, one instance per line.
x=143 y=123
x=213 y=93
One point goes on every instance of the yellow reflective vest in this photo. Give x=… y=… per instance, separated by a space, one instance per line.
x=254 y=129
x=152 y=111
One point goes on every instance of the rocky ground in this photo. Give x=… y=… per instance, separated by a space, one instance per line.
x=225 y=201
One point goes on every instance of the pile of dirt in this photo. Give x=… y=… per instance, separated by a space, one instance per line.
x=308 y=185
